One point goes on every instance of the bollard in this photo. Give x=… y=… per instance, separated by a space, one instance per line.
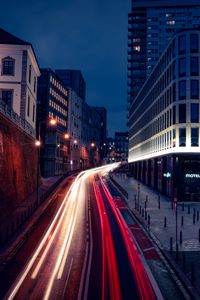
x=145 y=214
x=188 y=209
x=181 y=237
x=183 y=206
x=165 y=222
x=135 y=202
x=181 y=220
x=194 y=211
x=158 y=201
x=193 y=218
x=140 y=209
x=171 y=244
x=197 y=215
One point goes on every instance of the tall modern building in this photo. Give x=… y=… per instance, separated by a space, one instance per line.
x=164 y=100
x=52 y=103
x=151 y=25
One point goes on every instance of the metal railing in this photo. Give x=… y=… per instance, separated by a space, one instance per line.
x=8 y=112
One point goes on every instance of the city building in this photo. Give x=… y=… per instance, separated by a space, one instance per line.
x=121 y=146
x=151 y=25
x=73 y=79
x=164 y=121
x=19 y=71
x=53 y=104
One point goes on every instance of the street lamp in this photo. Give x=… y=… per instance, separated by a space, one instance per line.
x=52 y=122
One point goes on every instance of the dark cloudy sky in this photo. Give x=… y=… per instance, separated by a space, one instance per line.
x=90 y=35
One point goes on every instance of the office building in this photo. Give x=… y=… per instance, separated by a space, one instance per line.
x=53 y=104
x=121 y=146
x=164 y=121
x=151 y=25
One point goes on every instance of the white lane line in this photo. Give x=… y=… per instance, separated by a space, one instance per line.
x=67 y=279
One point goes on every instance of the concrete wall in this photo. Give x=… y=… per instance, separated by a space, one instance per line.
x=18 y=166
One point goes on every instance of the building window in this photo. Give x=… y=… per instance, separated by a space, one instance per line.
x=194 y=43
x=194 y=137
x=194 y=113
x=7 y=97
x=182 y=137
x=194 y=89
x=174 y=91
x=182 y=66
x=174 y=138
x=28 y=106
x=182 y=44
x=174 y=115
x=194 y=66
x=34 y=87
x=8 y=66
x=182 y=89
x=33 y=113
x=182 y=113
x=29 y=74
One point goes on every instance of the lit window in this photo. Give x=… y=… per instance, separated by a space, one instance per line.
x=171 y=22
x=137 y=48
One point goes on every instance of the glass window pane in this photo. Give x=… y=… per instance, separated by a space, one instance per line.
x=194 y=66
x=194 y=89
x=182 y=67
x=182 y=137
x=182 y=90
x=194 y=137
x=182 y=113
x=182 y=44
x=194 y=43
x=194 y=112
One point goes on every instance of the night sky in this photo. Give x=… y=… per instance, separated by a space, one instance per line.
x=89 y=35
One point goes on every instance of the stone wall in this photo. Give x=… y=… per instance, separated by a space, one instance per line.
x=18 y=166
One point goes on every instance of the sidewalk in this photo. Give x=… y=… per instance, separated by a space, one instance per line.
x=23 y=212
x=189 y=250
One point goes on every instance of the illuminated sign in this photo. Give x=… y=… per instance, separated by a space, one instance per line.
x=167 y=175
x=191 y=175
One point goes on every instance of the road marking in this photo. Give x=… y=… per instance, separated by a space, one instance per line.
x=67 y=279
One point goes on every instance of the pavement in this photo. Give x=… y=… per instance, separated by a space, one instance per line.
x=159 y=208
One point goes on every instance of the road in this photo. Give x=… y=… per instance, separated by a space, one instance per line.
x=86 y=252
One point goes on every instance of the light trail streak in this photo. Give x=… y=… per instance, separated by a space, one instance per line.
x=144 y=286
x=62 y=224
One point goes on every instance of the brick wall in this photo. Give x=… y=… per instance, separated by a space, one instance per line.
x=18 y=166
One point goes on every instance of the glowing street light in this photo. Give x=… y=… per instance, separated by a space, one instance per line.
x=37 y=143
x=75 y=142
x=92 y=145
x=66 y=136
x=53 y=122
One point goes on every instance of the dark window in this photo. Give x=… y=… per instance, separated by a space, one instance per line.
x=174 y=114
x=8 y=66
x=174 y=138
x=174 y=91
x=194 y=43
x=182 y=44
x=182 y=67
x=194 y=137
x=7 y=97
x=182 y=90
x=182 y=113
x=29 y=74
x=34 y=84
x=195 y=113
x=194 y=89
x=182 y=137
x=33 y=113
x=28 y=107
x=194 y=66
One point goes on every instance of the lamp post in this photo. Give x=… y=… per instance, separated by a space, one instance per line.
x=51 y=122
